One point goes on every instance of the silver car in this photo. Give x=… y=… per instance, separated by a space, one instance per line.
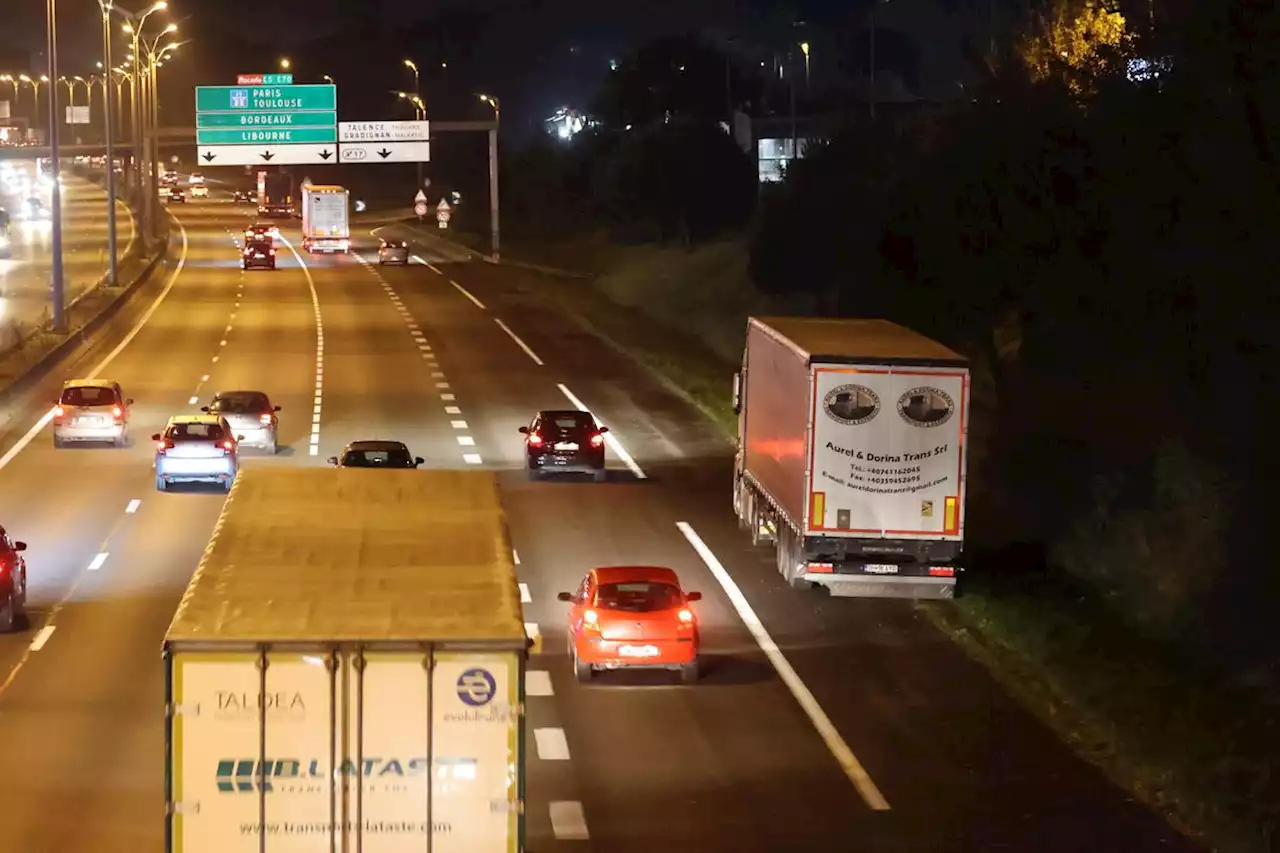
x=196 y=449
x=251 y=415
x=91 y=410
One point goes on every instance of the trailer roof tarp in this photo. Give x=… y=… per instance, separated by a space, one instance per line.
x=323 y=555
x=846 y=341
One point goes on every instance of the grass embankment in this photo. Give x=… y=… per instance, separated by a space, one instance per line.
x=1203 y=752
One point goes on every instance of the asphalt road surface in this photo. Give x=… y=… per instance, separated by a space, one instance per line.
x=821 y=724
x=25 y=275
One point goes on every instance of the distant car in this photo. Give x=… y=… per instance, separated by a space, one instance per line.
x=36 y=209
x=94 y=410
x=195 y=178
x=564 y=441
x=177 y=196
x=13 y=583
x=376 y=454
x=393 y=252
x=261 y=231
x=200 y=191
x=196 y=449
x=241 y=197
x=632 y=617
x=250 y=415
x=258 y=253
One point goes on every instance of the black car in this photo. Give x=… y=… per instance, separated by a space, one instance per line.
x=258 y=254
x=376 y=454
x=565 y=441
x=393 y=252
x=176 y=196
x=241 y=197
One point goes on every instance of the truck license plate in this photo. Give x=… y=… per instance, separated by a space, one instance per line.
x=880 y=569
x=638 y=651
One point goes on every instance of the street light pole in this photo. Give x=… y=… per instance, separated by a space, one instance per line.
x=108 y=101
x=417 y=90
x=493 y=176
x=56 y=293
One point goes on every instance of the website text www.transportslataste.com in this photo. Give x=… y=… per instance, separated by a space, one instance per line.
x=371 y=827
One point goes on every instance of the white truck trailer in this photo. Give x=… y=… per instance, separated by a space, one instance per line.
x=326 y=225
x=346 y=669
x=851 y=455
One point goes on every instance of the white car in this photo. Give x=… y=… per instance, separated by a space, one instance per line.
x=91 y=410
x=196 y=449
x=199 y=191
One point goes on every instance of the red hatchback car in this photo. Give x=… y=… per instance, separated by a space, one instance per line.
x=13 y=583
x=632 y=617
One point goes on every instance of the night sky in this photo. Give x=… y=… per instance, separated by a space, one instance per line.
x=536 y=55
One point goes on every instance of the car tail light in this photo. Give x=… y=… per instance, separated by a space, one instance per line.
x=162 y=446
x=597 y=440
x=686 y=616
x=117 y=412
x=58 y=411
x=536 y=441
x=266 y=419
x=590 y=620
x=228 y=445
x=273 y=253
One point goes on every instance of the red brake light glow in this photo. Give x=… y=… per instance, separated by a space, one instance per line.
x=117 y=412
x=590 y=617
x=686 y=615
x=597 y=440
x=229 y=445
x=58 y=411
x=536 y=441
x=162 y=446
x=266 y=419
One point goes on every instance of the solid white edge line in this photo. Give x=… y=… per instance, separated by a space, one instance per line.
x=525 y=597
x=42 y=636
x=533 y=355
x=551 y=744
x=826 y=729
x=98 y=561
x=132 y=506
x=568 y=821
x=537 y=682
x=315 y=305
x=467 y=293
x=609 y=439
x=515 y=556
x=433 y=269
x=29 y=436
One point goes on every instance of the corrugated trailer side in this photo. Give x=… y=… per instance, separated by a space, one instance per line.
x=346 y=670
x=776 y=420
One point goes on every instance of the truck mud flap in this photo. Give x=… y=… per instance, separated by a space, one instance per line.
x=869 y=586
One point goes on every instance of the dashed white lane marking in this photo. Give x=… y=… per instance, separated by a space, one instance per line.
x=132 y=506
x=568 y=821
x=215 y=359
x=533 y=355
x=525 y=597
x=448 y=397
x=442 y=384
x=826 y=729
x=609 y=439
x=469 y=295
x=552 y=744
x=472 y=459
x=314 y=440
x=436 y=374
x=466 y=441
x=42 y=636
x=194 y=399
x=515 y=556
x=458 y=424
x=98 y=561
x=30 y=435
x=222 y=343
x=204 y=378
x=537 y=682
x=452 y=410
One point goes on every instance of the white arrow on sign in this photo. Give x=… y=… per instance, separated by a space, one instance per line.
x=384 y=131
x=265 y=155
x=386 y=152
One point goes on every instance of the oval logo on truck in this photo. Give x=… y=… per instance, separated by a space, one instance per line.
x=926 y=407
x=851 y=404
x=476 y=687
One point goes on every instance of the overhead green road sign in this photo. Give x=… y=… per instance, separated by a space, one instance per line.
x=266 y=120
x=267 y=136
x=258 y=99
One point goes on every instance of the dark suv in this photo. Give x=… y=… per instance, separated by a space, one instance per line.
x=568 y=441
x=259 y=253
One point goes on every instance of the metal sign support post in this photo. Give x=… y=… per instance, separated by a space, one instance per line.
x=56 y=284
x=112 y=270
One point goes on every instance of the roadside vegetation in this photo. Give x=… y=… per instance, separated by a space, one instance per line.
x=1094 y=229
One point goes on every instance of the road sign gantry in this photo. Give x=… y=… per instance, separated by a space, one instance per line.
x=260 y=124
